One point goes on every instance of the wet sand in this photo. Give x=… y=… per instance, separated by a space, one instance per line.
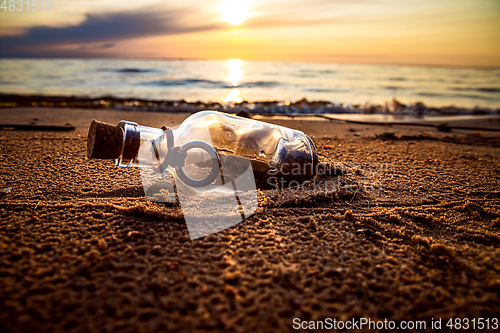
x=407 y=228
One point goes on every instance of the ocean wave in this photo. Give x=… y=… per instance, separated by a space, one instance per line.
x=304 y=73
x=327 y=71
x=314 y=73
x=134 y=70
x=302 y=106
x=188 y=82
x=467 y=96
x=209 y=84
x=322 y=90
x=128 y=70
x=493 y=90
x=259 y=84
x=10 y=83
x=397 y=79
x=429 y=94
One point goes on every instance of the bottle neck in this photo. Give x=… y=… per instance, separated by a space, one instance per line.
x=131 y=142
x=134 y=150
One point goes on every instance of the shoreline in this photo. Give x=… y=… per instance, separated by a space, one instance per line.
x=303 y=106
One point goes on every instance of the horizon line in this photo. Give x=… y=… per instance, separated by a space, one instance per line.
x=262 y=60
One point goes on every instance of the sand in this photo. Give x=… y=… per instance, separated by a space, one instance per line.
x=407 y=228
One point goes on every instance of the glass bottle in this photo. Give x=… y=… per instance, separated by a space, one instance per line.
x=209 y=149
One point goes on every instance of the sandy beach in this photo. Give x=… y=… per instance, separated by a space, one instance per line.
x=409 y=232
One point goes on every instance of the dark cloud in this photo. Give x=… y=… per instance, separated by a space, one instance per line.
x=103 y=29
x=107 y=45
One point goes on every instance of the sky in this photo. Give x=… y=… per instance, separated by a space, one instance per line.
x=435 y=32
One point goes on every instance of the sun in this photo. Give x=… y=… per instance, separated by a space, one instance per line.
x=234 y=12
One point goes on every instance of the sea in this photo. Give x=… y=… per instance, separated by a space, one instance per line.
x=237 y=80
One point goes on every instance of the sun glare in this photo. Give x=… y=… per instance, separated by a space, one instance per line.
x=234 y=12
x=235 y=73
x=233 y=96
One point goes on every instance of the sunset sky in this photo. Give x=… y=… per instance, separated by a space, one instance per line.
x=442 y=32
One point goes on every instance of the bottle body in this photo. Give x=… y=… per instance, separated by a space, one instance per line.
x=279 y=156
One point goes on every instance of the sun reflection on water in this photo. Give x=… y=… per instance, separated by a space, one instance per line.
x=235 y=74
x=233 y=96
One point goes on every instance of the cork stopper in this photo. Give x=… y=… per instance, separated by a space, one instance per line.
x=104 y=140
